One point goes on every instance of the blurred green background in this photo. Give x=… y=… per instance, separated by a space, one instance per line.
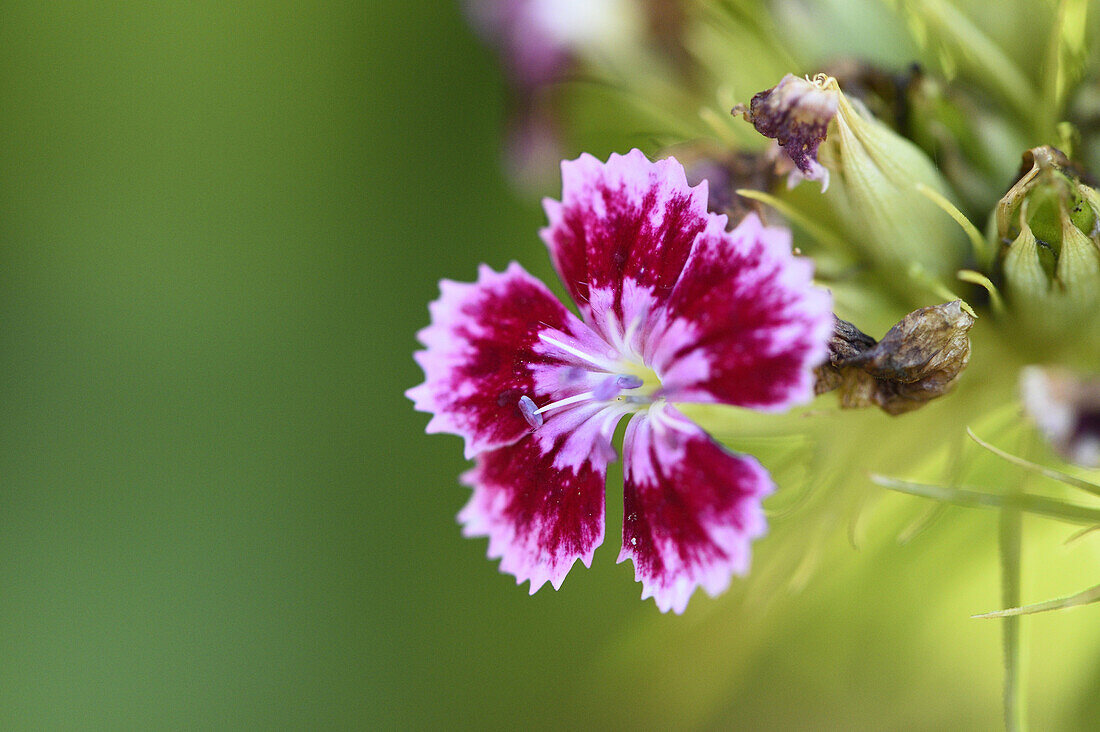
x=221 y=224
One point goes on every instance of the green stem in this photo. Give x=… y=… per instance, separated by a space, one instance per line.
x=1011 y=521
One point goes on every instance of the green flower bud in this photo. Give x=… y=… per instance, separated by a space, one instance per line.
x=1048 y=227
x=878 y=174
x=1026 y=277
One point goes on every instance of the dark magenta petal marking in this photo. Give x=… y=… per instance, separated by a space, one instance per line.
x=690 y=509
x=484 y=354
x=744 y=325
x=624 y=219
x=539 y=519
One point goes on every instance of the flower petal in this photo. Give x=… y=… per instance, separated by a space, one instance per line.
x=540 y=515
x=690 y=508
x=625 y=223
x=484 y=353
x=744 y=325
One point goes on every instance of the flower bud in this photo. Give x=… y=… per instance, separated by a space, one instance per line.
x=1050 y=259
x=796 y=113
x=877 y=173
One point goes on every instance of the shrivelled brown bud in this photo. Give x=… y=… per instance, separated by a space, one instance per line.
x=879 y=174
x=796 y=113
x=1066 y=407
x=918 y=360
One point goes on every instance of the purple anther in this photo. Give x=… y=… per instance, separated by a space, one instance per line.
x=530 y=412
x=628 y=381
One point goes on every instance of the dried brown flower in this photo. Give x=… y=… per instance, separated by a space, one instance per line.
x=917 y=360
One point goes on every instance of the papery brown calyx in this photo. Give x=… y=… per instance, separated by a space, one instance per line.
x=918 y=360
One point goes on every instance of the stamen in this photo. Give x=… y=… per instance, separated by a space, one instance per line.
x=605 y=391
x=572 y=375
x=529 y=411
x=628 y=381
x=594 y=360
x=567 y=401
x=608 y=388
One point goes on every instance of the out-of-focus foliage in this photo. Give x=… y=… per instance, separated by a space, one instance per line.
x=220 y=224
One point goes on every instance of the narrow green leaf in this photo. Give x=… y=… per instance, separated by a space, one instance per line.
x=922 y=523
x=1080 y=534
x=1086 y=597
x=1038 y=505
x=1051 y=473
x=826 y=238
x=977 y=241
x=977 y=278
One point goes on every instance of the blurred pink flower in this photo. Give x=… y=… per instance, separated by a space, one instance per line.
x=531 y=55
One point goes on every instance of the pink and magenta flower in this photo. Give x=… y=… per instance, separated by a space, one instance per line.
x=674 y=308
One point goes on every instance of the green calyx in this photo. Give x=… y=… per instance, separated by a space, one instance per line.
x=1049 y=239
x=878 y=173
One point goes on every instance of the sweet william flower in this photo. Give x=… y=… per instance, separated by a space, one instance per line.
x=673 y=308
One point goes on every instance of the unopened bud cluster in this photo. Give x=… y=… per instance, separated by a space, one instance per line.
x=1048 y=228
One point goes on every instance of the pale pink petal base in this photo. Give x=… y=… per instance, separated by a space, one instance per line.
x=690 y=509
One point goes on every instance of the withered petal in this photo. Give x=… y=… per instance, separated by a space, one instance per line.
x=796 y=113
